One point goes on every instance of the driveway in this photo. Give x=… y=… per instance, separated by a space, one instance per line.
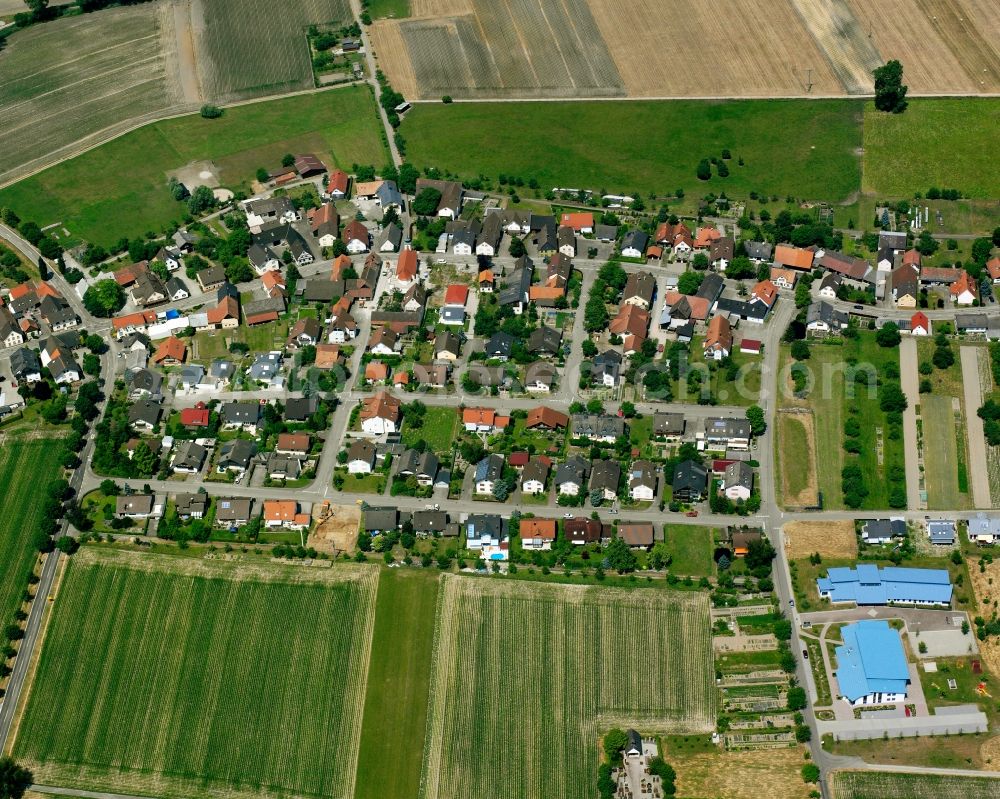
x=910 y=381
x=978 y=467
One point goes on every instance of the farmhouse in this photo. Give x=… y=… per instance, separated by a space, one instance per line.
x=871 y=665
x=868 y=584
x=579 y=222
x=788 y=257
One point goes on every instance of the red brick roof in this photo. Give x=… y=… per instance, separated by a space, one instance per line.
x=195 y=417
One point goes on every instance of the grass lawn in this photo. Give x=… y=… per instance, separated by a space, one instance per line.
x=169 y=676
x=212 y=344
x=936 y=142
x=120 y=188
x=26 y=468
x=395 y=716
x=97 y=506
x=397 y=9
x=691 y=548
x=640 y=430
x=438 y=429
x=793 y=455
x=373 y=483
x=807 y=149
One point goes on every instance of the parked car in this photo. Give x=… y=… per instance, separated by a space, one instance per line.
x=805 y=654
x=691 y=513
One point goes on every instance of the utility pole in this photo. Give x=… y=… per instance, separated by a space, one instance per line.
x=809 y=81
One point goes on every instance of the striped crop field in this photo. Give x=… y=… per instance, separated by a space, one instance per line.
x=527 y=678
x=896 y=785
x=174 y=677
x=26 y=469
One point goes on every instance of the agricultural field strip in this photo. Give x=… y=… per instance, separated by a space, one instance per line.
x=226 y=30
x=131 y=711
x=99 y=69
x=25 y=469
x=601 y=671
x=898 y=785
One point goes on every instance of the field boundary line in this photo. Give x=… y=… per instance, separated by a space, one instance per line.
x=699 y=97
x=60 y=791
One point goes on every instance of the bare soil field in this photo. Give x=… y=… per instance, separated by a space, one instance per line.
x=765 y=774
x=585 y=48
x=986 y=584
x=772 y=62
x=830 y=539
x=836 y=30
x=338 y=532
x=490 y=50
x=916 y=40
x=85 y=76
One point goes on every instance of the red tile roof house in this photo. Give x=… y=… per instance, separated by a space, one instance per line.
x=171 y=352
x=993 y=267
x=919 y=324
x=580 y=222
x=456 y=294
x=198 y=416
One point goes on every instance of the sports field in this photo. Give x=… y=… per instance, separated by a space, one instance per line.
x=73 y=77
x=26 y=468
x=806 y=149
x=120 y=188
x=874 y=785
x=240 y=57
x=528 y=676
x=936 y=142
x=395 y=717
x=175 y=677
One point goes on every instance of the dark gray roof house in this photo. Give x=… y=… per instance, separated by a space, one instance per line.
x=24 y=363
x=145 y=413
x=545 y=339
x=499 y=345
x=428 y=522
x=240 y=414
x=759 y=251
x=596 y=426
x=605 y=476
x=237 y=454
x=189 y=456
x=690 y=481
x=299 y=409
x=668 y=424
x=635 y=241
x=146 y=381
x=233 y=510
x=379 y=520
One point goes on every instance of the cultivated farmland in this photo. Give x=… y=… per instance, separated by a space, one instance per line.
x=26 y=468
x=529 y=48
x=528 y=676
x=85 y=76
x=485 y=49
x=169 y=676
x=874 y=785
x=240 y=56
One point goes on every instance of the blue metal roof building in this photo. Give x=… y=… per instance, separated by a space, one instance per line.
x=871 y=664
x=867 y=584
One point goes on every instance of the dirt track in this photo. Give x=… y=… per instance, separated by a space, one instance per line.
x=979 y=476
